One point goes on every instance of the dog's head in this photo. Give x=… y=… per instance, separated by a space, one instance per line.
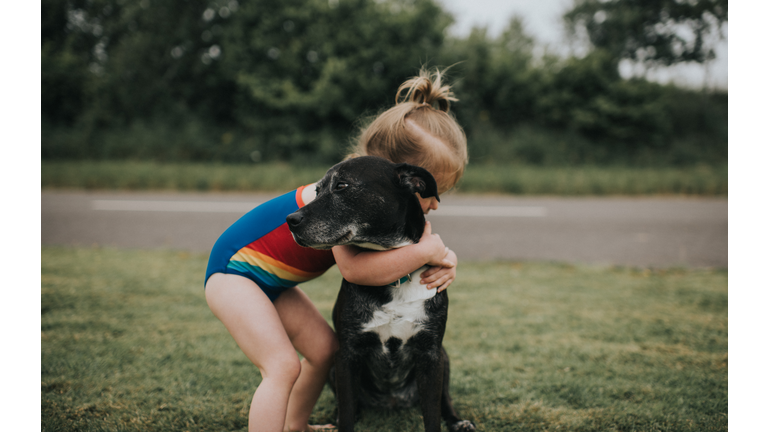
x=366 y=201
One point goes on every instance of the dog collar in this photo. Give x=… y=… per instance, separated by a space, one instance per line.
x=402 y=280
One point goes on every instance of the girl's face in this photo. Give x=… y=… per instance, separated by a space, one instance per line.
x=428 y=204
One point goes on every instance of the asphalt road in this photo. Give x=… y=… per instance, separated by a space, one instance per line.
x=645 y=232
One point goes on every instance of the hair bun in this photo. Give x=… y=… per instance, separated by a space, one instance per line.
x=426 y=89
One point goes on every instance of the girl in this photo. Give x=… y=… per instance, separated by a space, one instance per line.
x=255 y=265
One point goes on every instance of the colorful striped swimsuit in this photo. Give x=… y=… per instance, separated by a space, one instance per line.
x=259 y=246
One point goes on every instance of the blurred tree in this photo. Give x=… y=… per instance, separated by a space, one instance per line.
x=310 y=69
x=496 y=76
x=654 y=32
x=293 y=75
x=505 y=88
x=67 y=40
x=129 y=60
x=264 y=80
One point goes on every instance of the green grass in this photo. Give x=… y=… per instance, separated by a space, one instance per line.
x=592 y=180
x=185 y=176
x=531 y=180
x=128 y=344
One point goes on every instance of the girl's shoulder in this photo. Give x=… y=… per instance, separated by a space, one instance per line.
x=308 y=193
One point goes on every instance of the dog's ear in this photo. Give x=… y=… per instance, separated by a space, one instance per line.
x=417 y=179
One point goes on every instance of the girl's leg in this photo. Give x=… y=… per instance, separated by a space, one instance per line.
x=317 y=342
x=252 y=320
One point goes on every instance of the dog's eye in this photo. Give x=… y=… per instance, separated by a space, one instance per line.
x=340 y=186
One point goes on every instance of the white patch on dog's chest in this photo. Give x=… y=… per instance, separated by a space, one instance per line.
x=404 y=316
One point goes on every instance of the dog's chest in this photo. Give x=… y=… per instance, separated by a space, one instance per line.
x=404 y=316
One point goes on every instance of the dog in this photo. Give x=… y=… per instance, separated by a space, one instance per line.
x=391 y=353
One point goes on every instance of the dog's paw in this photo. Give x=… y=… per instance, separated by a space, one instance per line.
x=462 y=426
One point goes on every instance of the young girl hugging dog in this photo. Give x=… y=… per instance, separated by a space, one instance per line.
x=255 y=266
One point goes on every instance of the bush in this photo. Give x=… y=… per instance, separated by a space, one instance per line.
x=193 y=80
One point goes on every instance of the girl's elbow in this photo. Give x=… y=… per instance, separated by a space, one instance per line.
x=355 y=281
x=358 y=277
x=350 y=275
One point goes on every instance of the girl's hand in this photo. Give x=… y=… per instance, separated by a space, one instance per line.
x=436 y=252
x=440 y=277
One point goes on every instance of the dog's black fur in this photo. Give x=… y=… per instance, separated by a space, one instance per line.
x=371 y=202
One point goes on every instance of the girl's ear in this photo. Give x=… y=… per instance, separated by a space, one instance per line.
x=417 y=179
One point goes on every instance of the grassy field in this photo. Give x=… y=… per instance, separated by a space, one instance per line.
x=128 y=344
x=478 y=178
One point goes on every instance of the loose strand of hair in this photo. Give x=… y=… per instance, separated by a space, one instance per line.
x=426 y=89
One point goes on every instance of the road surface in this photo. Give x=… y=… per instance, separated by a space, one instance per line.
x=644 y=232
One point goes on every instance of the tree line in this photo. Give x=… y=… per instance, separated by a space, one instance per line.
x=259 y=80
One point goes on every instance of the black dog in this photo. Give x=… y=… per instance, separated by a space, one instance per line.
x=391 y=338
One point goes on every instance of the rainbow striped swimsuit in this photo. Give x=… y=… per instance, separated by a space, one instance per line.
x=260 y=247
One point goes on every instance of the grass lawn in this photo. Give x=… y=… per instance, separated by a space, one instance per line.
x=521 y=180
x=128 y=344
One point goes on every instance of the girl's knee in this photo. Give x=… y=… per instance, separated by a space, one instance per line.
x=284 y=368
x=332 y=347
x=325 y=350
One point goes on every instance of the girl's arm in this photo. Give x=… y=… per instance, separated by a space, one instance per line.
x=378 y=268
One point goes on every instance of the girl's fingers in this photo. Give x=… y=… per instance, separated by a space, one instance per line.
x=427 y=229
x=433 y=273
x=439 y=282
x=445 y=285
x=432 y=277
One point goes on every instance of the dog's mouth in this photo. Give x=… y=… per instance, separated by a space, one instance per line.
x=344 y=239
x=303 y=243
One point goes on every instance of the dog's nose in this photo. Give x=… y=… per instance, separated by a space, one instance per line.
x=294 y=219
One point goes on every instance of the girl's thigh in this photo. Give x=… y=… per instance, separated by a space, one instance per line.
x=252 y=320
x=305 y=326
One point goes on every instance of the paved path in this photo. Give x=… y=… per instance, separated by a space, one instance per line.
x=658 y=232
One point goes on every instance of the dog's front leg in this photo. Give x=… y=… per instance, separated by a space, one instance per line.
x=430 y=385
x=347 y=391
x=452 y=420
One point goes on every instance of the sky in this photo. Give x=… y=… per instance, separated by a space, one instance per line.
x=542 y=20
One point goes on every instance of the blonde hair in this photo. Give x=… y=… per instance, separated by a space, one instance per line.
x=419 y=130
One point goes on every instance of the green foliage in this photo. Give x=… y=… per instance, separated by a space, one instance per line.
x=290 y=78
x=195 y=80
x=496 y=79
x=655 y=32
x=580 y=111
x=309 y=69
x=128 y=343
x=587 y=96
